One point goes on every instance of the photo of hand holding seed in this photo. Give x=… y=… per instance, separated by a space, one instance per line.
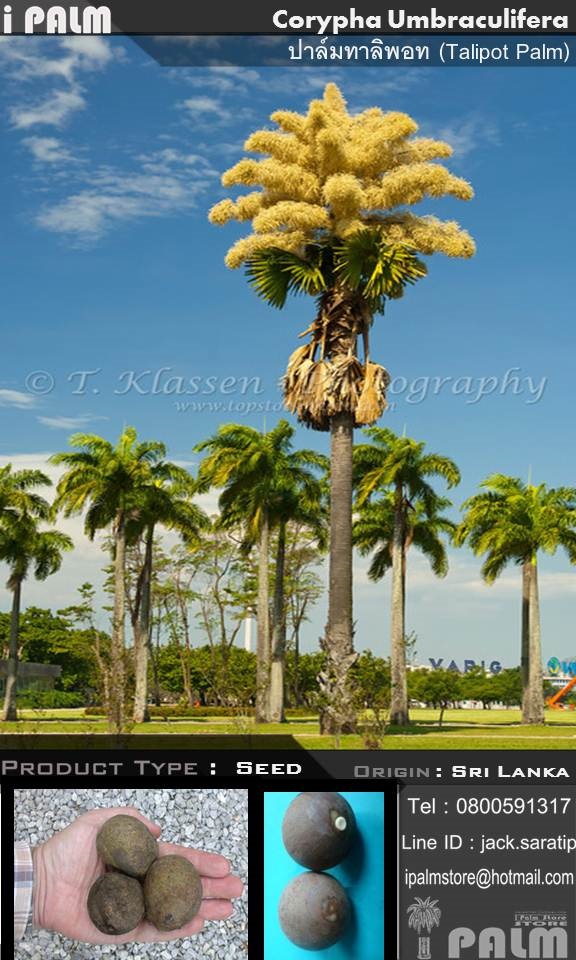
x=95 y=894
x=132 y=878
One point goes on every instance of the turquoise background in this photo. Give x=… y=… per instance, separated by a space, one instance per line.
x=361 y=873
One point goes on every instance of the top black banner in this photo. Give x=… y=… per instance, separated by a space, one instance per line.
x=279 y=18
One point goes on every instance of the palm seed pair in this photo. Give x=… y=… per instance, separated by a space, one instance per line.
x=318 y=831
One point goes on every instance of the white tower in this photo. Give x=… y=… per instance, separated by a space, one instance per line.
x=248 y=629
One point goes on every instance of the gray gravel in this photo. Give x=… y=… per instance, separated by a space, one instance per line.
x=220 y=825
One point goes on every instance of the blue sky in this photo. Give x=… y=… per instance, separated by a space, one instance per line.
x=109 y=164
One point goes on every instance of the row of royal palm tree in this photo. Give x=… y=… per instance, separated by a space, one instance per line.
x=401 y=469
x=265 y=484
x=332 y=219
x=129 y=487
x=511 y=522
x=24 y=547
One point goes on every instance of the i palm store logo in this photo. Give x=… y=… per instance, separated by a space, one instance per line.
x=423 y=916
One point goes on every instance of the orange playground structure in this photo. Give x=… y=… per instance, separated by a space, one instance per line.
x=556 y=701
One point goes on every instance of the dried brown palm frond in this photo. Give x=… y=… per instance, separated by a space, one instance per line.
x=345 y=384
x=372 y=401
x=298 y=368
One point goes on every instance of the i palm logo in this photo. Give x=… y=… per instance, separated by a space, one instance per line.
x=423 y=916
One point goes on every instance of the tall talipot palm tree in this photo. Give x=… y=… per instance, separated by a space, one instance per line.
x=256 y=471
x=512 y=522
x=330 y=220
x=401 y=465
x=105 y=481
x=25 y=548
x=166 y=501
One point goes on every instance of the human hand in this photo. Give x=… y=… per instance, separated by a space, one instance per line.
x=66 y=866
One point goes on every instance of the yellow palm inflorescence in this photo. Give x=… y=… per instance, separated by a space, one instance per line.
x=329 y=173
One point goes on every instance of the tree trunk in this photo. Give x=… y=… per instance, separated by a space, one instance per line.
x=277 y=665
x=399 y=692
x=534 y=701
x=525 y=644
x=152 y=656
x=297 y=692
x=263 y=627
x=10 y=711
x=116 y=716
x=338 y=714
x=103 y=671
x=142 y=635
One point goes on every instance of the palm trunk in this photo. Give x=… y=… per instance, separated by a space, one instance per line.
x=534 y=706
x=10 y=712
x=263 y=628
x=116 y=716
x=399 y=692
x=142 y=635
x=338 y=714
x=277 y=665
x=525 y=645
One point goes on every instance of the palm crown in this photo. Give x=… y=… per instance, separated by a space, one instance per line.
x=426 y=526
x=330 y=221
x=511 y=521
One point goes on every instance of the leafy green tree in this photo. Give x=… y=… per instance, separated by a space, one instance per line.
x=51 y=639
x=303 y=673
x=476 y=684
x=508 y=686
x=26 y=548
x=206 y=668
x=410 y=513
x=88 y=642
x=106 y=482
x=224 y=591
x=262 y=478
x=304 y=587
x=436 y=688
x=332 y=220
x=512 y=522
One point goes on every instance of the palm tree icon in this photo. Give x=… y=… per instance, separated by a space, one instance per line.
x=424 y=915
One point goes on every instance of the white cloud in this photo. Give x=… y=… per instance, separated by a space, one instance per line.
x=67 y=423
x=468 y=135
x=55 y=66
x=48 y=150
x=164 y=183
x=54 y=110
x=217 y=113
x=30 y=58
x=15 y=398
x=221 y=79
x=201 y=105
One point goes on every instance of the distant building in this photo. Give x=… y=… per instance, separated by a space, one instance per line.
x=31 y=676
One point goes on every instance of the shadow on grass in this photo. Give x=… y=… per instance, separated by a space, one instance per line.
x=415 y=729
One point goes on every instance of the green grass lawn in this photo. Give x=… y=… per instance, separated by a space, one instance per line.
x=462 y=729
